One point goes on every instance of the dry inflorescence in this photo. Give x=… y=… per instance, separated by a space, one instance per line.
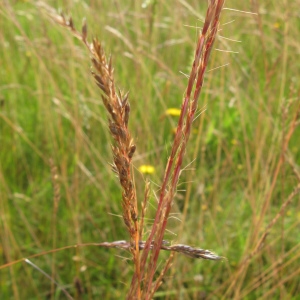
x=189 y=106
x=116 y=103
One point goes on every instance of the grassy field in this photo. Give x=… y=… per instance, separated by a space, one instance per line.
x=241 y=179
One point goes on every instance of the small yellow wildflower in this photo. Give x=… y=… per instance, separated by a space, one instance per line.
x=173 y=112
x=276 y=25
x=146 y=169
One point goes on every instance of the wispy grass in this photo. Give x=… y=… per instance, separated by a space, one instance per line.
x=48 y=110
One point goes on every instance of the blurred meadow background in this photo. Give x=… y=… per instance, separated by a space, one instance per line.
x=242 y=164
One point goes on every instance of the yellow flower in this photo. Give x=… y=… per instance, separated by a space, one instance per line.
x=174 y=112
x=146 y=169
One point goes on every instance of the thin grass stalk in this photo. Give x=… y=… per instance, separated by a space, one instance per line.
x=144 y=208
x=158 y=281
x=56 y=199
x=259 y=242
x=171 y=177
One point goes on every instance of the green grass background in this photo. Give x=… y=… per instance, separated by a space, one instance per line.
x=50 y=108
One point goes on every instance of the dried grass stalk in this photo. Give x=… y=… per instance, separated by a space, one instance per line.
x=173 y=168
x=118 y=109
